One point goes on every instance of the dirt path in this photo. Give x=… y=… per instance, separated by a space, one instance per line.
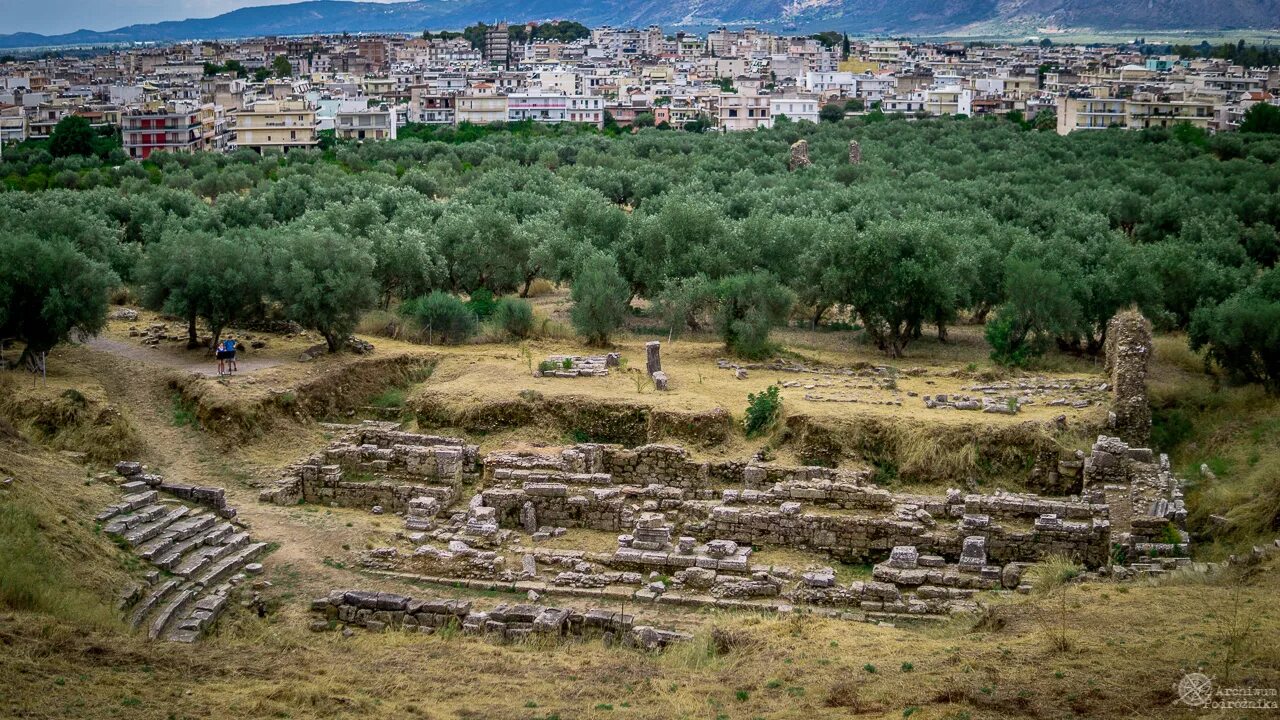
x=305 y=536
x=199 y=363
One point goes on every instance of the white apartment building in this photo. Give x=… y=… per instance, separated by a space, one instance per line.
x=354 y=121
x=795 y=108
x=554 y=108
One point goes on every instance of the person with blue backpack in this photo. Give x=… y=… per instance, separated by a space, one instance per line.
x=226 y=353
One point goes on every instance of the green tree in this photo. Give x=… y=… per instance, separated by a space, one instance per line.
x=895 y=276
x=684 y=302
x=600 y=296
x=324 y=281
x=643 y=120
x=72 y=136
x=1242 y=334
x=831 y=112
x=1261 y=118
x=202 y=275
x=749 y=305
x=47 y=288
x=1038 y=308
x=281 y=67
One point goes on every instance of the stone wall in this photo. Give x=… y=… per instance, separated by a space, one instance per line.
x=379 y=611
x=1128 y=354
x=361 y=466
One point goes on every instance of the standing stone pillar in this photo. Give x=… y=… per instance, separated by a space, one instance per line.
x=855 y=152
x=652 y=357
x=799 y=155
x=1128 y=352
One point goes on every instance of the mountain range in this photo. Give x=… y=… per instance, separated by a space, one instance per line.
x=936 y=17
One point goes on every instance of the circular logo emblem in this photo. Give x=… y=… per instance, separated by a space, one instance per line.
x=1195 y=689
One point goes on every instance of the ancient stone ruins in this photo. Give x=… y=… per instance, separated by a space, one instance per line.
x=188 y=534
x=687 y=530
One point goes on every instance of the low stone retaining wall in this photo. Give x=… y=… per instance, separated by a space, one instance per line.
x=378 y=611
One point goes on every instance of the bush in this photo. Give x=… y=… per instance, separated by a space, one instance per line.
x=514 y=316
x=482 y=303
x=442 y=316
x=762 y=411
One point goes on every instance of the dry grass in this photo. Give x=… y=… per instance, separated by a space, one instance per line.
x=1124 y=663
x=1129 y=644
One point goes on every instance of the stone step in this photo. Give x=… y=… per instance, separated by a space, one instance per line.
x=123 y=523
x=170 y=610
x=172 y=556
x=205 y=555
x=219 y=534
x=150 y=601
x=153 y=529
x=205 y=612
x=228 y=566
x=193 y=524
x=161 y=546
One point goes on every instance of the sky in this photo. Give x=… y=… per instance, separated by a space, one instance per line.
x=49 y=17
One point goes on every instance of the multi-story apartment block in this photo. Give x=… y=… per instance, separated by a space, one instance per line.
x=743 y=111
x=429 y=107
x=795 y=107
x=497 y=44
x=163 y=129
x=480 y=108
x=13 y=124
x=277 y=126
x=555 y=108
x=354 y=121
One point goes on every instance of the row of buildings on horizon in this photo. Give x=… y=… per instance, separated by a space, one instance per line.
x=364 y=88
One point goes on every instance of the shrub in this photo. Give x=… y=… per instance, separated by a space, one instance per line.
x=514 y=316
x=442 y=316
x=482 y=303
x=762 y=410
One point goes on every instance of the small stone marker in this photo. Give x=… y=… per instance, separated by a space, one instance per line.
x=652 y=357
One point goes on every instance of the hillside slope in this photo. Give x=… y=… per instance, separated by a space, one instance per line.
x=857 y=16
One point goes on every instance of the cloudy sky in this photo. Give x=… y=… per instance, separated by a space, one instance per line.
x=60 y=16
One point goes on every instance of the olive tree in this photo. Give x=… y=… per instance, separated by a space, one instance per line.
x=47 y=289
x=324 y=281
x=216 y=278
x=600 y=296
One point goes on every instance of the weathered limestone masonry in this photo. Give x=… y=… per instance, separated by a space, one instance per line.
x=687 y=530
x=379 y=454
x=1148 y=510
x=200 y=558
x=1128 y=353
x=799 y=156
x=377 y=612
x=855 y=153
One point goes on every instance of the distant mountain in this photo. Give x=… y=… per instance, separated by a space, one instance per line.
x=855 y=16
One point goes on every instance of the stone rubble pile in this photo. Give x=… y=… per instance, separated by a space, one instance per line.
x=572 y=366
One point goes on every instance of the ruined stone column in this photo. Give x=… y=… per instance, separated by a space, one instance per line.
x=855 y=152
x=799 y=155
x=1128 y=353
x=652 y=357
